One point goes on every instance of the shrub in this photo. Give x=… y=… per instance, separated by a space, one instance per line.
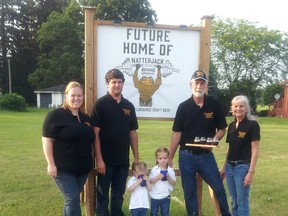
x=13 y=102
x=262 y=113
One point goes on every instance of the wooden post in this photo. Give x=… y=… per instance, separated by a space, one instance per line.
x=199 y=192
x=90 y=61
x=204 y=59
x=217 y=211
x=285 y=101
x=89 y=97
x=204 y=64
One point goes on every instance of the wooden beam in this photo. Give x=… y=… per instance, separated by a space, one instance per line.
x=89 y=97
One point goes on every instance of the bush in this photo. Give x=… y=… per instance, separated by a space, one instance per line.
x=13 y=102
x=262 y=113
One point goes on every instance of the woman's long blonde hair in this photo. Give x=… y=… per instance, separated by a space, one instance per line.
x=74 y=84
x=243 y=99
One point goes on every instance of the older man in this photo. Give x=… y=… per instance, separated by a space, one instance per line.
x=198 y=116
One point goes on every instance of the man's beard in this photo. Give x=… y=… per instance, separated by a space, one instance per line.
x=198 y=94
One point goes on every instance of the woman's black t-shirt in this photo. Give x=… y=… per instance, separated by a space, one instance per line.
x=72 y=149
x=240 y=139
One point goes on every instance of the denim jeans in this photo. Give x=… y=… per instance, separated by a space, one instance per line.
x=116 y=177
x=163 y=204
x=139 y=212
x=71 y=186
x=239 y=194
x=205 y=165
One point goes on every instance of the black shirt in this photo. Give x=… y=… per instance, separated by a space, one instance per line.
x=240 y=139
x=193 y=121
x=72 y=149
x=115 y=121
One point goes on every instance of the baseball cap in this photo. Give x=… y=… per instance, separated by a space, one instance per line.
x=199 y=74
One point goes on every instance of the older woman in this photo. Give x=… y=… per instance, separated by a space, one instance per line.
x=243 y=137
x=67 y=138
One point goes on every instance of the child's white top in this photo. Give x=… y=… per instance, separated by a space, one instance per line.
x=139 y=197
x=161 y=189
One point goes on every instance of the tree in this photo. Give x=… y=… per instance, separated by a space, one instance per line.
x=246 y=57
x=19 y=23
x=126 y=10
x=270 y=91
x=8 y=27
x=212 y=86
x=284 y=57
x=60 y=42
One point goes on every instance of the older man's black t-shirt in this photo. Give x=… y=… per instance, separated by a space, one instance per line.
x=194 y=121
x=115 y=120
x=72 y=149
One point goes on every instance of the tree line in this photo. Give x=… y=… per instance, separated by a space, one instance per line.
x=44 y=41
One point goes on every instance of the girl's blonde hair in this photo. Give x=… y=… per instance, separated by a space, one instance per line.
x=71 y=85
x=243 y=99
x=140 y=165
x=161 y=150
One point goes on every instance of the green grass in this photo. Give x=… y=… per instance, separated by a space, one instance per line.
x=25 y=189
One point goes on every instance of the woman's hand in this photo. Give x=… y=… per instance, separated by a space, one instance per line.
x=52 y=170
x=248 y=179
x=223 y=174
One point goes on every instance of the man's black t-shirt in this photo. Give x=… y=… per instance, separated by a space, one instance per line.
x=72 y=149
x=193 y=121
x=115 y=121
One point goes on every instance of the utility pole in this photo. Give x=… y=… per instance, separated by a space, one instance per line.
x=9 y=75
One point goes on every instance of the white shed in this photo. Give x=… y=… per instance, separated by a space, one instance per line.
x=51 y=97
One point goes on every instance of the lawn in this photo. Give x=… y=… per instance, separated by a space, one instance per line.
x=25 y=189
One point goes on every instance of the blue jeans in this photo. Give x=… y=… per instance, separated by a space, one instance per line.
x=71 y=186
x=115 y=177
x=156 y=204
x=205 y=165
x=139 y=212
x=239 y=194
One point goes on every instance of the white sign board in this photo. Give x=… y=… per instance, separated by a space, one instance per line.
x=157 y=64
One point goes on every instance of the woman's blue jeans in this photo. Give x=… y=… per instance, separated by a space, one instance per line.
x=205 y=165
x=239 y=195
x=71 y=186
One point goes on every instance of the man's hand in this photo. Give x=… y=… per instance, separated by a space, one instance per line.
x=101 y=167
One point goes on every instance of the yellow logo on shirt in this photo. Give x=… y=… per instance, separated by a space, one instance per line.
x=241 y=134
x=127 y=111
x=208 y=115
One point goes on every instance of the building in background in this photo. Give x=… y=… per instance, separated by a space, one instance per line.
x=50 y=97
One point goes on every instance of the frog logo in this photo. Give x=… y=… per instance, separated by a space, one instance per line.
x=241 y=134
x=208 y=115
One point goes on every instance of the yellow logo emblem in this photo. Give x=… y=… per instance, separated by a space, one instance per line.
x=208 y=115
x=241 y=134
x=127 y=111
x=200 y=73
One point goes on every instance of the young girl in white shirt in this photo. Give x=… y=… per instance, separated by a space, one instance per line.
x=162 y=178
x=138 y=185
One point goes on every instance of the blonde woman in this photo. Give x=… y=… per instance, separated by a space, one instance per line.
x=67 y=138
x=244 y=138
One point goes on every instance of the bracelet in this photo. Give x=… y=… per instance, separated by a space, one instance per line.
x=253 y=171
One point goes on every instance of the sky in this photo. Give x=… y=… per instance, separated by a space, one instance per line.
x=272 y=14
